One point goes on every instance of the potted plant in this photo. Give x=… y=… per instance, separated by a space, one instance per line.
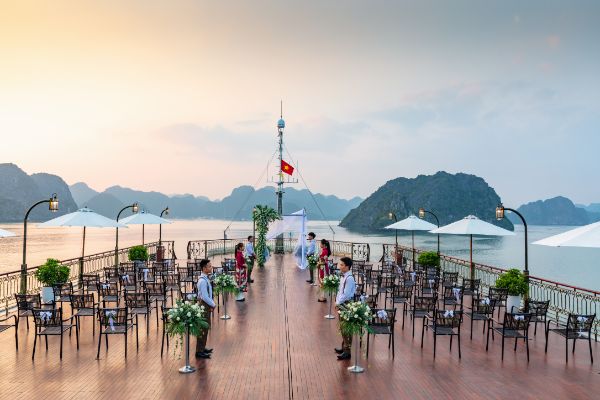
x=429 y=259
x=50 y=274
x=138 y=254
x=514 y=281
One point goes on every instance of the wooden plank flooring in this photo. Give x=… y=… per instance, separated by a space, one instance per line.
x=278 y=346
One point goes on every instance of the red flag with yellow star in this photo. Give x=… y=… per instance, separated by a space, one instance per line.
x=286 y=168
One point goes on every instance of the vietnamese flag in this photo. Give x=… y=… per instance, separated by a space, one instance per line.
x=287 y=168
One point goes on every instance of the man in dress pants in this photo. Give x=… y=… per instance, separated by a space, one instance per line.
x=346 y=291
x=311 y=248
x=205 y=295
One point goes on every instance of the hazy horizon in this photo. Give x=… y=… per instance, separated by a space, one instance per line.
x=183 y=97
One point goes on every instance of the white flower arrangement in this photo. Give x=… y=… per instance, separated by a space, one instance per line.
x=354 y=318
x=331 y=283
x=313 y=260
x=183 y=318
x=224 y=283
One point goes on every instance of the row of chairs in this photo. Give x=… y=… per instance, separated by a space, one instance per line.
x=438 y=300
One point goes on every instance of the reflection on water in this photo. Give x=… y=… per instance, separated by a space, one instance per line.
x=577 y=266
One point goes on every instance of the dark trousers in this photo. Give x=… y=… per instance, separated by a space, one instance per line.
x=250 y=266
x=312 y=274
x=347 y=344
x=201 y=340
x=346 y=340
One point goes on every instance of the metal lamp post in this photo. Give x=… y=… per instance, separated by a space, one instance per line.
x=500 y=211
x=134 y=207
x=393 y=217
x=422 y=213
x=163 y=212
x=53 y=207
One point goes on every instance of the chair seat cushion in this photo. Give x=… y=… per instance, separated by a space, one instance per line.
x=420 y=314
x=572 y=334
x=139 y=310
x=118 y=329
x=443 y=330
x=510 y=333
x=54 y=330
x=381 y=330
x=85 y=312
x=478 y=317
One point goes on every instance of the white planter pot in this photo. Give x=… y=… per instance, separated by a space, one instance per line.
x=47 y=294
x=513 y=301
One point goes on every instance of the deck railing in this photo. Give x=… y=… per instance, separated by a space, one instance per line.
x=197 y=249
x=564 y=298
x=91 y=264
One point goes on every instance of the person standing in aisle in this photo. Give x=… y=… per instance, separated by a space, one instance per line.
x=250 y=257
x=345 y=294
x=205 y=295
x=311 y=248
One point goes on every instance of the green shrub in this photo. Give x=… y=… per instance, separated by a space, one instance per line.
x=52 y=273
x=138 y=253
x=514 y=281
x=429 y=258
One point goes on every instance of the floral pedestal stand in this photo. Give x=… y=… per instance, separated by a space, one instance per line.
x=356 y=355
x=225 y=316
x=187 y=368
x=330 y=316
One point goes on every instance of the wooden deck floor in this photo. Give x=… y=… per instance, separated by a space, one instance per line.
x=278 y=346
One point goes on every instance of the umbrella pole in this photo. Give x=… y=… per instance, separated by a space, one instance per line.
x=471 y=257
x=413 y=248
x=81 y=259
x=142 y=234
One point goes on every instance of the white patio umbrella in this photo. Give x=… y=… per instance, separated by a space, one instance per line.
x=412 y=224
x=4 y=233
x=471 y=225
x=83 y=217
x=584 y=236
x=144 y=218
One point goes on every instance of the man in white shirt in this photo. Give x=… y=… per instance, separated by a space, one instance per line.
x=205 y=296
x=346 y=291
x=250 y=257
x=311 y=248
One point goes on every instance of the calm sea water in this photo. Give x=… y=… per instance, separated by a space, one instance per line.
x=576 y=266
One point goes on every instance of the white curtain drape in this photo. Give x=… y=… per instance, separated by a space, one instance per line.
x=296 y=223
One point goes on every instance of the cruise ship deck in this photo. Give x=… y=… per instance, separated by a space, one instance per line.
x=278 y=345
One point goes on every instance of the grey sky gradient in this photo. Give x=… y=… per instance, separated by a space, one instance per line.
x=183 y=96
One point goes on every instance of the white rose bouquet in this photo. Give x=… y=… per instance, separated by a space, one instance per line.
x=224 y=283
x=354 y=318
x=331 y=283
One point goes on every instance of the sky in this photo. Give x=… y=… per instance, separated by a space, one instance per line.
x=184 y=96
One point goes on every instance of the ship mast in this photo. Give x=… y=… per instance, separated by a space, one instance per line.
x=279 y=248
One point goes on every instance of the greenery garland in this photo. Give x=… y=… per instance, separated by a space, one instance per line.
x=262 y=216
